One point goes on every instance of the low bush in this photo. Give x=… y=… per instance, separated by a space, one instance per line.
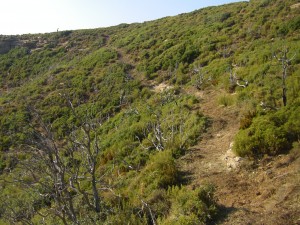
x=191 y=207
x=226 y=100
x=270 y=134
x=246 y=120
x=160 y=172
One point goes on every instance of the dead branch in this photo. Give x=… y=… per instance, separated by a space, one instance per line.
x=150 y=211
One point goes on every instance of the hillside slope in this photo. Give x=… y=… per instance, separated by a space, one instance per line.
x=192 y=119
x=248 y=192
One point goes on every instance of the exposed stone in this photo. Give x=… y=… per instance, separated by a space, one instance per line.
x=232 y=161
x=8 y=43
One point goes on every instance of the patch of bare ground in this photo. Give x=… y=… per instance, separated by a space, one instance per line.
x=161 y=87
x=265 y=192
x=295 y=6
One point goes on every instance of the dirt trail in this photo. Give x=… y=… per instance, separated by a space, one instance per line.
x=215 y=143
x=261 y=193
x=266 y=192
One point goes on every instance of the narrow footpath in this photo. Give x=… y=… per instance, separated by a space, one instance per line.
x=266 y=192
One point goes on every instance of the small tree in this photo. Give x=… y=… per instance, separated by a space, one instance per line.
x=60 y=169
x=282 y=57
x=50 y=172
x=200 y=79
x=236 y=81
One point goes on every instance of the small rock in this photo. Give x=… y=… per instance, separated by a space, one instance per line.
x=238 y=159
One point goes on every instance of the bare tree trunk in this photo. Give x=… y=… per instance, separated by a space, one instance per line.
x=285 y=63
x=284 y=98
x=95 y=193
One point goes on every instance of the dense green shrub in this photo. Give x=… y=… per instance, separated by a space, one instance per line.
x=160 y=172
x=270 y=134
x=191 y=207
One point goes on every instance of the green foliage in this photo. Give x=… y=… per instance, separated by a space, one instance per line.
x=160 y=172
x=101 y=76
x=191 y=206
x=98 y=58
x=246 y=120
x=226 y=100
x=23 y=204
x=271 y=134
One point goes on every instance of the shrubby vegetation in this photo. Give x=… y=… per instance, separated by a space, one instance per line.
x=272 y=133
x=85 y=138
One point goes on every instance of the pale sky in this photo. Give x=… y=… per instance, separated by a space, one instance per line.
x=43 y=16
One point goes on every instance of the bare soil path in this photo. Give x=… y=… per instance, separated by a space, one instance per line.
x=266 y=192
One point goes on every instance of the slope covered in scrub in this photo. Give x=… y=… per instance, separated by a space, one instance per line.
x=97 y=126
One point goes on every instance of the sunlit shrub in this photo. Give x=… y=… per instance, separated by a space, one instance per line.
x=226 y=100
x=191 y=207
x=246 y=120
x=270 y=134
